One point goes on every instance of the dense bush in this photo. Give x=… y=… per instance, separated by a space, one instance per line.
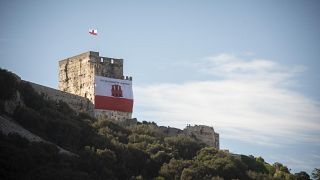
x=184 y=147
x=21 y=159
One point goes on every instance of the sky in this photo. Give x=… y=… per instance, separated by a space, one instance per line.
x=247 y=68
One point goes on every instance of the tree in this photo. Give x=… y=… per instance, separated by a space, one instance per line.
x=197 y=171
x=302 y=176
x=174 y=168
x=281 y=167
x=316 y=173
x=185 y=147
x=254 y=164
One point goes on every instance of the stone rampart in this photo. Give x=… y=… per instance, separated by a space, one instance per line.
x=78 y=103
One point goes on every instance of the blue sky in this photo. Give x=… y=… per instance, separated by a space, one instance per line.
x=248 y=68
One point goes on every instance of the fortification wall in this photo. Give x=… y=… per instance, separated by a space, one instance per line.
x=114 y=115
x=204 y=133
x=78 y=103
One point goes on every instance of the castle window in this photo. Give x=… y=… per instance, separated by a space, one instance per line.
x=112 y=61
x=101 y=59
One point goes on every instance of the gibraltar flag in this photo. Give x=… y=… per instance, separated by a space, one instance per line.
x=93 y=32
x=113 y=94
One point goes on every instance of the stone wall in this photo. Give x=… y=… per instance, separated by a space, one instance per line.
x=113 y=115
x=77 y=103
x=76 y=75
x=204 y=133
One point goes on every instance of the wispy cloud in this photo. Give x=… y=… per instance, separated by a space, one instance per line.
x=250 y=101
x=229 y=66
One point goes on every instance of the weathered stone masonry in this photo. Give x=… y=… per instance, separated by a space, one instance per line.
x=78 y=103
x=76 y=76
x=204 y=133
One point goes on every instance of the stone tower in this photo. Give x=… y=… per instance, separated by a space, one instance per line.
x=78 y=74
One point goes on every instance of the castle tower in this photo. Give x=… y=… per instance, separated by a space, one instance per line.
x=101 y=80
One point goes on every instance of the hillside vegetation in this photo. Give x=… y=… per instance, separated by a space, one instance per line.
x=104 y=149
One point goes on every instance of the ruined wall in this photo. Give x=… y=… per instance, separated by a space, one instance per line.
x=204 y=133
x=78 y=103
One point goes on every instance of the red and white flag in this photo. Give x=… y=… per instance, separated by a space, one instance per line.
x=113 y=94
x=93 y=32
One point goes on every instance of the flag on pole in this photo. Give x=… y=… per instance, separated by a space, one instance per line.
x=93 y=32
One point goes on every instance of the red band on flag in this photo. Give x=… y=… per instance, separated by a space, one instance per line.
x=113 y=103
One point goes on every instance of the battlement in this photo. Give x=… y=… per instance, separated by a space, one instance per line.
x=109 y=67
x=102 y=66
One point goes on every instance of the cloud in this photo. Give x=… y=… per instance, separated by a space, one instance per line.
x=231 y=67
x=250 y=101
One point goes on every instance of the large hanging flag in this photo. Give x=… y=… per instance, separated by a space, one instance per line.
x=113 y=94
x=93 y=32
